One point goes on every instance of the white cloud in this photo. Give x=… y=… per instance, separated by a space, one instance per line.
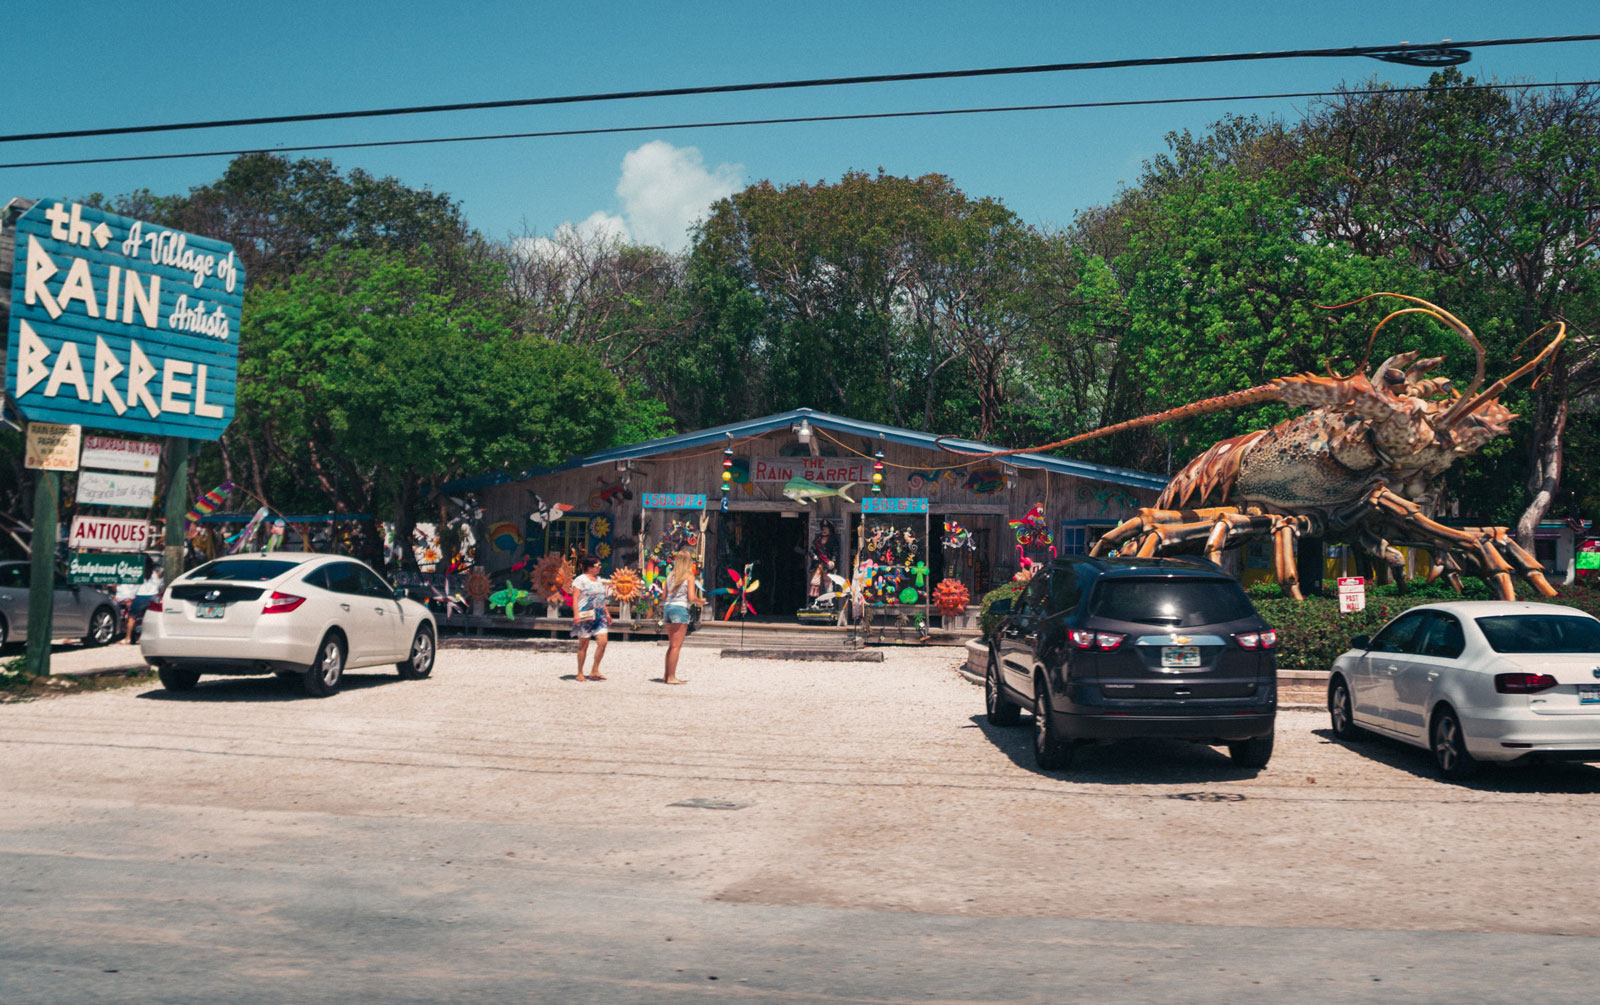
x=664 y=189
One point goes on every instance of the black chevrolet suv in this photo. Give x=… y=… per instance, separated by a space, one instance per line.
x=1111 y=649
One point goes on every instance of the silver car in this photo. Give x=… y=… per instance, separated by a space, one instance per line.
x=1475 y=681
x=78 y=612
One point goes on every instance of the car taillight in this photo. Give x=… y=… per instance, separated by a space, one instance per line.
x=1104 y=641
x=1523 y=683
x=282 y=603
x=1257 y=640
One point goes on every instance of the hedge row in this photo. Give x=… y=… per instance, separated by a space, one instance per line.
x=1312 y=632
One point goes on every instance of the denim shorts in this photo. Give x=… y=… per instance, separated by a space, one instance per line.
x=675 y=614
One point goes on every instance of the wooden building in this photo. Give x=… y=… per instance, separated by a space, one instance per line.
x=791 y=476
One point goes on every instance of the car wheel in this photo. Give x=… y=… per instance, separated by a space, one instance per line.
x=1340 y=713
x=1449 y=746
x=178 y=679
x=1050 y=751
x=102 y=627
x=1000 y=711
x=1252 y=753
x=420 y=664
x=5 y=633
x=323 y=677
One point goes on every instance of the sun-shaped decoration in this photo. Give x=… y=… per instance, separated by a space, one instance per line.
x=950 y=596
x=551 y=576
x=599 y=527
x=478 y=585
x=625 y=585
x=602 y=550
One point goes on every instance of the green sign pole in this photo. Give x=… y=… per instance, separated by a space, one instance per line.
x=177 y=507
x=41 y=590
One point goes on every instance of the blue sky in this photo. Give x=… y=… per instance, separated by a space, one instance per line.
x=83 y=65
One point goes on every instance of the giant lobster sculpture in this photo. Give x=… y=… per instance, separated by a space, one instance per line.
x=1362 y=465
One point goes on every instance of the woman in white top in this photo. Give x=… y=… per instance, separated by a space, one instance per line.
x=589 y=617
x=681 y=591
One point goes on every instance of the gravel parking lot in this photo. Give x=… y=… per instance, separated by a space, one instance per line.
x=823 y=784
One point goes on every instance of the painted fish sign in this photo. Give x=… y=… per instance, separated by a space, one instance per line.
x=120 y=324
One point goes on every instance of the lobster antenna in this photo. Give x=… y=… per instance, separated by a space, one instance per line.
x=1434 y=311
x=1249 y=396
x=1464 y=408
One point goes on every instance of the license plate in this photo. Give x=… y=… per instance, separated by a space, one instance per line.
x=1180 y=656
x=1589 y=694
x=209 y=610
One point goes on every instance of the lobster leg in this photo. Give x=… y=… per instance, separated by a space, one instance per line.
x=1484 y=545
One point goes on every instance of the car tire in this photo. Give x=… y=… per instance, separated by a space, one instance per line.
x=177 y=678
x=1252 y=753
x=1051 y=751
x=1340 y=713
x=998 y=710
x=322 y=678
x=5 y=632
x=102 y=627
x=423 y=651
x=1448 y=743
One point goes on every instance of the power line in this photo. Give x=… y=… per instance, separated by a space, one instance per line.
x=786 y=120
x=1445 y=53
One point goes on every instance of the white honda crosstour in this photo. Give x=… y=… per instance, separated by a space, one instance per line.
x=293 y=614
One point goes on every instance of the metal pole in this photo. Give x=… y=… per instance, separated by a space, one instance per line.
x=177 y=507
x=41 y=588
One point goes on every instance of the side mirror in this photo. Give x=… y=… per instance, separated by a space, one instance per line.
x=401 y=593
x=1001 y=606
x=1361 y=642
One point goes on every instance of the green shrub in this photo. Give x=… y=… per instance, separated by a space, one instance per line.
x=988 y=623
x=1312 y=633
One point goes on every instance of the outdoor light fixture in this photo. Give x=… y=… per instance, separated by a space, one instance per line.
x=803 y=431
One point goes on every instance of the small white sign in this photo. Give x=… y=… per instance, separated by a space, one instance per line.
x=109 y=533
x=112 y=454
x=101 y=488
x=1352 y=594
x=52 y=446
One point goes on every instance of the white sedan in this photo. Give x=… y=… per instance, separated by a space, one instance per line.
x=290 y=613
x=1476 y=681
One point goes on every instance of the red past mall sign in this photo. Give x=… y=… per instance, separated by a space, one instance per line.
x=1352 y=594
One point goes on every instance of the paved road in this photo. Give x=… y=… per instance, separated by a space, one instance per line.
x=853 y=833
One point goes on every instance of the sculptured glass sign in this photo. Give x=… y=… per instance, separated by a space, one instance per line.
x=120 y=324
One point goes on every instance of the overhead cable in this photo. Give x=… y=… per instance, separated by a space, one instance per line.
x=1444 y=53
x=786 y=120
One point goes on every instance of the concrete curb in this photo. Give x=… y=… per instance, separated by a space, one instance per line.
x=823 y=655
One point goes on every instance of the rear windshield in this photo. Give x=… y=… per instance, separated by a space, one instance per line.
x=241 y=570
x=1541 y=633
x=1178 y=603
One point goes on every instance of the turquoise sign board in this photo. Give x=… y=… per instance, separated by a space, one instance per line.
x=873 y=504
x=121 y=324
x=674 y=500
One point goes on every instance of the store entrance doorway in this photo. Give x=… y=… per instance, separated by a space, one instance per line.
x=776 y=545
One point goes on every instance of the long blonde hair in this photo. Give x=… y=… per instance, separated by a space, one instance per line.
x=682 y=570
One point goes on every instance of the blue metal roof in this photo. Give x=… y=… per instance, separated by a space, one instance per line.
x=833 y=423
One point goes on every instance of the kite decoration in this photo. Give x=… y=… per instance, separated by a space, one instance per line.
x=239 y=540
x=207 y=505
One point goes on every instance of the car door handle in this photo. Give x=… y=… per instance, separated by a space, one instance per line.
x=378 y=609
x=345 y=607
x=1433 y=675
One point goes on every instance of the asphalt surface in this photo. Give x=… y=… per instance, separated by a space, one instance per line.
x=774 y=831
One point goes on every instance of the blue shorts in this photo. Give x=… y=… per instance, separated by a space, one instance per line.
x=675 y=614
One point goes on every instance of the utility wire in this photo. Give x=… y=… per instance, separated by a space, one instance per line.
x=1445 y=53
x=787 y=120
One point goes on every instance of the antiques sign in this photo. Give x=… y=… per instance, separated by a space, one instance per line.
x=109 y=533
x=121 y=324
x=822 y=470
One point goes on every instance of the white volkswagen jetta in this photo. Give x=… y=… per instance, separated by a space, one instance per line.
x=1476 y=681
x=290 y=613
